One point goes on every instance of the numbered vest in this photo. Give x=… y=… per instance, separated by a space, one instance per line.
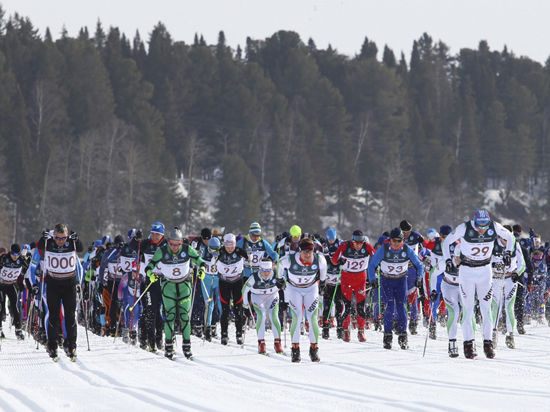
x=302 y=276
x=210 y=262
x=395 y=263
x=174 y=267
x=9 y=275
x=147 y=258
x=61 y=263
x=262 y=286
x=356 y=260
x=127 y=264
x=332 y=270
x=256 y=252
x=413 y=241
x=477 y=248
x=230 y=266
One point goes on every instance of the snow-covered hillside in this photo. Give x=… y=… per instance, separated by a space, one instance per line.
x=350 y=376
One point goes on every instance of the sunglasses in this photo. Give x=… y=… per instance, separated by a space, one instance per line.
x=175 y=243
x=397 y=239
x=61 y=238
x=15 y=254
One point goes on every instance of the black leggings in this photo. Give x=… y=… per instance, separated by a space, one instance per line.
x=230 y=290
x=10 y=291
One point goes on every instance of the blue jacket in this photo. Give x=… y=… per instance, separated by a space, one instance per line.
x=379 y=256
x=247 y=245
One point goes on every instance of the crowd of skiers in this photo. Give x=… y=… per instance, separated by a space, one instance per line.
x=149 y=287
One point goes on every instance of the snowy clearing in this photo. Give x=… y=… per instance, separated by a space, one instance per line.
x=350 y=376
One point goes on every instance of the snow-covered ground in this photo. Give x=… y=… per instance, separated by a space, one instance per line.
x=350 y=376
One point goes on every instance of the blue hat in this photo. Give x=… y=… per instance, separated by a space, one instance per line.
x=482 y=218
x=157 y=227
x=97 y=243
x=214 y=243
x=132 y=233
x=255 y=228
x=106 y=239
x=396 y=233
x=331 y=234
x=445 y=230
x=381 y=240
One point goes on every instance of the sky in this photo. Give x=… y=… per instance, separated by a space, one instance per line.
x=520 y=25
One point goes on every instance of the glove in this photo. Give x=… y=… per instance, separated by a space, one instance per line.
x=73 y=236
x=507 y=258
x=201 y=273
x=46 y=234
x=78 y=289
x=449 y=266
x=515 y=277
x=433 y=295
x=322 y=286
x=281 y=284
x=152 y=277
x=35 y=291
x=373 y=284
x=418 y=283
x=341 y=261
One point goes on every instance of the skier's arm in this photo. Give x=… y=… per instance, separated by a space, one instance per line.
x=157 y=257
x=452 y=238
x=197 y=260
x=341 y=249
x=284 y=264
x=507 y=235
x=415 y=261
x=519 y=259
x=270 y=252
x=246 y=288
x=374 y=261
x=322 y=267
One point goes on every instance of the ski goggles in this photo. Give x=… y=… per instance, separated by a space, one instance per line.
x=60 y=238
x=175 y=242
x=15 y=254
x=358 y=238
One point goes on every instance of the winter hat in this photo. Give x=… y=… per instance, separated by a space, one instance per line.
x=157 y=227
x=206 y=233
x=405 y=226
x=396 y=233
x=15 y=249
x=255 y=228
x=445 y=230
x=295 y=231
x=229 y=238
x=331 y=234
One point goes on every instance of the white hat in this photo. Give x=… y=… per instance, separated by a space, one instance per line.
x=266 y=265
x=229 y=238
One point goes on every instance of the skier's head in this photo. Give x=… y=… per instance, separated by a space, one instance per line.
x=26 y=248
x=445 y=230
x=295 y=233
x=307 y=249
x=266 y=269
x=537 y=257
x=396 y=238
x=229 y=242
x=60 y=234
x=254 y=231
x=431 y=234
x=206 y=235
x=157 y=232
x=214 y=246
x=119 y=240
x=105 y=240
x=405 y=226
x=15 y=251
x=482 y=220
x=331 y=235
x=357 y=239
x=175 y=239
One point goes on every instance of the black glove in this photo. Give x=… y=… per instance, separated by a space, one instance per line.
x=507 y=258
x=322 y=286
x=341 y=261
x=373 y=284
x=433 y=295
x=281 y=284
x=515 y=277
x=46 y=234
x=73 y=236
x=35 y=291
x=418 y=283
x=139 y=235
x=90 y=249
x=449 y=266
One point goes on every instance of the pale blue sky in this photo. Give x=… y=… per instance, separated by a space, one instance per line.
x=521 y=25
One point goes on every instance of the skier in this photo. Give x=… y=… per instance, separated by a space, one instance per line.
x=12 y=267
x=303 y=269
x=393 y=259
x=173 y=261
x=477 y=239
x=353 y=256
x=332 y=295
x=230 y=265
x=505 y=284
x=60 y=263
x=211 y=287
x=263 y=289
x=109 y=278
x=200 y=244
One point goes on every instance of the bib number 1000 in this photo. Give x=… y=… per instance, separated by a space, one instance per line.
x=62 y=263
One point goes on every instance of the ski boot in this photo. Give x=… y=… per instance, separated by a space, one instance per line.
x=469 y=350
x=403 y=340
x=510 y=341
x=225 y=339
x=340 y=332
x=213 y=331
x=186 y=348
x=453 y=349
x=521 y=329
x=207 y=334
x=52 y=352
x=158 y=341
x=377 y=325
x=19 y=334
x=413 y=324
x=240 y=339
x=169 y=349
x=432 y=330
x=295 y=352
x=133 y=337
x=197 y=331
x=142 y=342
x=152 y=348
x=125 y=335
x=314 y=352
x=488 y=349
x=71 y=353
x=277 y=346
x=361 y=335
x=261 y=347
x=388 y=337
x=325 y=333
x=346 y=337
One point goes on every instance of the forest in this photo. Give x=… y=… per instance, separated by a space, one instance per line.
x=99 y=131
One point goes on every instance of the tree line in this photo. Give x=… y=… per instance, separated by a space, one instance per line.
x=97 y=129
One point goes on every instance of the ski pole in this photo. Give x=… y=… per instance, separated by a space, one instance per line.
x=86 y=323
x=136 y=285
x=428 y=330
x=498 y=313
x=335 y=289
x=131 y=308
